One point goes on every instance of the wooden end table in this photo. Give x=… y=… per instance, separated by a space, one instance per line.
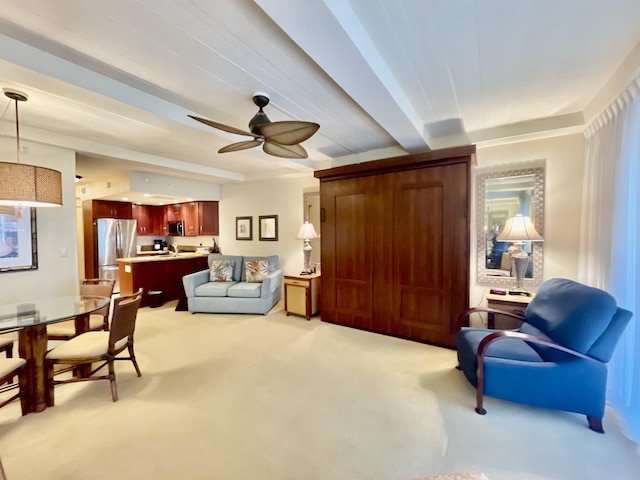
x=510 y=303
x=302 y=294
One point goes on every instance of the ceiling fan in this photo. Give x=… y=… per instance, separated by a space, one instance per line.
x=280 y=139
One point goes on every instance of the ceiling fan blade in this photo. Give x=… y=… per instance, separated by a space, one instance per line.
x=222 y=126
x=284 y=151
x=289 y=132
x=234 y=147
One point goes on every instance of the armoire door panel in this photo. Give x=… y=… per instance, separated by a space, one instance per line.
x=346 y=246
x=395 y=244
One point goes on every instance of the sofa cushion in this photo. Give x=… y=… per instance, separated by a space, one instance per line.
x=272 y=264
x=221 y=271
x=245 y=290
x=238 y=265
x=256 y=271
x=213 y=289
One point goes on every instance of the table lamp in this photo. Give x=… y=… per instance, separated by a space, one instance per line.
x=518 y=230
x=307 y=233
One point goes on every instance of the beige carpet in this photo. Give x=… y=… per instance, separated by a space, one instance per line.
x=276 y=397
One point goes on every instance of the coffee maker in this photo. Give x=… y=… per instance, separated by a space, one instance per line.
x=157 y=245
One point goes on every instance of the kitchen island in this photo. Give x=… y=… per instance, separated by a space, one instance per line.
x=162 y=272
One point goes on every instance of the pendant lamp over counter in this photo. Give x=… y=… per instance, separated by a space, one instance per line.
x=27 y=185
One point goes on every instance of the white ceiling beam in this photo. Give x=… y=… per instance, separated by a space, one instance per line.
x=332 y=35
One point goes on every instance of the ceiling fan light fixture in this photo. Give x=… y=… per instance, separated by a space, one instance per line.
x=27 y=185
x=280 y=139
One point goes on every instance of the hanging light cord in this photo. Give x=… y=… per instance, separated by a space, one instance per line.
x=17 y=131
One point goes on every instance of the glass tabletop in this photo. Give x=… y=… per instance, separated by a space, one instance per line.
x=48 y=310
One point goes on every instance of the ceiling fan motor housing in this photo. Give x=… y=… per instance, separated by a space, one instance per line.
x=260 y=118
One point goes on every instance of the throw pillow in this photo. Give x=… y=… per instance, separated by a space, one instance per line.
x=256 y=271
x=221 y=271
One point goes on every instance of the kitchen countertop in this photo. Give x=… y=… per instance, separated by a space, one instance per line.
x=161 y=257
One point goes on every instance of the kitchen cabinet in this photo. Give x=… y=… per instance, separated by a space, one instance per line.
x=161 y=273
x=150 y=219
x=109 y=209
x=200 y=218
x=395 y=244
x=208 y=218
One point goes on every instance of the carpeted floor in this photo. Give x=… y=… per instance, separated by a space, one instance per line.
x=274 y=397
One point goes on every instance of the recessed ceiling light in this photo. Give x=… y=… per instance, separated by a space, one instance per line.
x=124 y=199
x=147 y=195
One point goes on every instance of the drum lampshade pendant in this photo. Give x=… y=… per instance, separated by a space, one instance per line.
x=27 y=185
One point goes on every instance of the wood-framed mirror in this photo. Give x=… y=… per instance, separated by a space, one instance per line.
x=502 y=194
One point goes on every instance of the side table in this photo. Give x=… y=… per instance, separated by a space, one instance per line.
x=302 y=294
x=510 y=303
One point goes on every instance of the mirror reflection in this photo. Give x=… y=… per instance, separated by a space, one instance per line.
x=504 y=198
x=502 y=195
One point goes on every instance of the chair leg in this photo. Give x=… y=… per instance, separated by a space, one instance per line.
x=22 y=388
x=132 y=355
x=112 y=381
x=480 y=392
x=595 y=424
x=49 y=398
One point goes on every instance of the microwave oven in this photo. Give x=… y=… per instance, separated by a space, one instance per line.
x=176 y=228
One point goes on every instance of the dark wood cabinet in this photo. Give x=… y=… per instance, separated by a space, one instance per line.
x=111 y=209
x=208 y=218
x=150 y=219
x=200 y=218
x=395 y=244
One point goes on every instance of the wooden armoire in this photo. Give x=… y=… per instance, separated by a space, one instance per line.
x=395 y=244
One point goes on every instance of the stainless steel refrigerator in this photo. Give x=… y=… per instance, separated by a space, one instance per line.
x=116 y=239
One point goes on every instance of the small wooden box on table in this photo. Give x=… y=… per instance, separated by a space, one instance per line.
x=302 y=294
x=511 y=303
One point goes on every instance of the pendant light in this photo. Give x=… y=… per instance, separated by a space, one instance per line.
x=27 y=185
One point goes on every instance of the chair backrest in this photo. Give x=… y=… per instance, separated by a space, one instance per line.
x=101 y=287
x=123 y=322
x=576 y=316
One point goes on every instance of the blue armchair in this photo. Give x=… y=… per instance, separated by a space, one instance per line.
x=557 y=359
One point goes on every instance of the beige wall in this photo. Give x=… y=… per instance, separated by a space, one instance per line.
x=282 y=197
x=564 y=157
x=57 y=272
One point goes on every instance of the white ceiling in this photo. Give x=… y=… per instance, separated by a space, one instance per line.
x=115 y=80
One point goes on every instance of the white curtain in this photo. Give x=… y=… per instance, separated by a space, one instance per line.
x=610 y=237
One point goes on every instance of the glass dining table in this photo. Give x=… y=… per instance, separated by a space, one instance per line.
x=30 y=318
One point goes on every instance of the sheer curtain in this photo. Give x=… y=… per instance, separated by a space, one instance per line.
x=610 y=237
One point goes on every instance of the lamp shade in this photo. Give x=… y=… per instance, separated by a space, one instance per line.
x=29 y=186
x=519 y=228
x=307 y=232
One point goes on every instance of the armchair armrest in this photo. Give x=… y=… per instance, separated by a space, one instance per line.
x=461 y=318
x=193 y=280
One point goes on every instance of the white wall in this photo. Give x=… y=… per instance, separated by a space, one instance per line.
x=56 y=228
x=282 y=197
x=564 y=157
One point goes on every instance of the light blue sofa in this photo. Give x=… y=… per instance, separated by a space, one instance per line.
x=237 y=296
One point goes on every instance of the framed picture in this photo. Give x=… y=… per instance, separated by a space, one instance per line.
x=18 y=239
x=268 y=227
x=244 y=228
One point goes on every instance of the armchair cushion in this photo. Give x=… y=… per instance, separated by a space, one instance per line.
x=571 y=314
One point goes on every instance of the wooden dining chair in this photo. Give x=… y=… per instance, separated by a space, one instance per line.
x=98 y=320
x=9 y=368
x=97 y=347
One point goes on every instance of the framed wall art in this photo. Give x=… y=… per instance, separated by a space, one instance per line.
x=268 y=227
x=18 y=239
x=244 y=228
